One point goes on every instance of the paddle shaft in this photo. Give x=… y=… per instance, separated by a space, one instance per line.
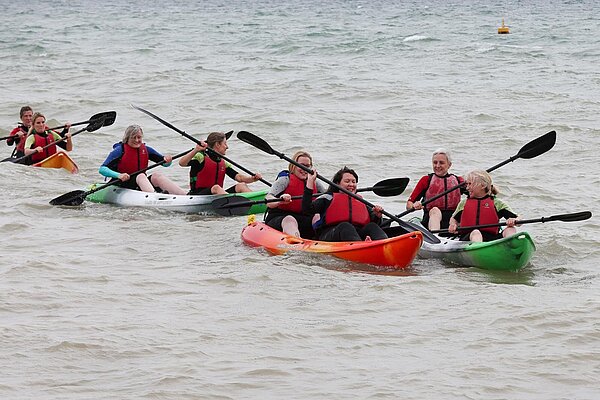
x=579 y=216
x=193 y=139
x=341 y=189
x=265 y=201
x=116 y=181
x=109 y=118
x=532 y=149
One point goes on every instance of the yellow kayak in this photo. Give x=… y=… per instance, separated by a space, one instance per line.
x=59 y=160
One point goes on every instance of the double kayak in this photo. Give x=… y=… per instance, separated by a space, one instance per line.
x=181 y=203
x=506 y=254
x=58 y=160
x=397 y=252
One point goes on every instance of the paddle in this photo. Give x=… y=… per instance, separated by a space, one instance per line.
x=578 y=216
x=94 y=125
x=264 y=146
x=193 y=139
x=109 y=119
x=532 y=149
x=76 y=197
x=238 y=205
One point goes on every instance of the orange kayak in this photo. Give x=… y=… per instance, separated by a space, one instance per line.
x=397 y=252
x=59 y=160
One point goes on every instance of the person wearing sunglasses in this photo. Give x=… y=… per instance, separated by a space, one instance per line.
x=286 y=215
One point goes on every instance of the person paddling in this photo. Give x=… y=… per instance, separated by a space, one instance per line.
x=39 y=137
x=208 y=170
x=437 y=213
x=342 y=217
x=131 y=155
x=19 y=134
x=286 y=215
x=480 y=208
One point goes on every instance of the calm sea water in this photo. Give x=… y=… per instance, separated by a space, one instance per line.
x=104 y=302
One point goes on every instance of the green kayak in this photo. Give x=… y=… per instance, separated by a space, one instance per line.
x=507 y=254
x=182 y=203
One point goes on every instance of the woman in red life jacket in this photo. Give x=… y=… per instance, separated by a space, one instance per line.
x=19 y=134
x=480 y=208
x=342 y=217
x=39 y=137
x=436 y=214
x=286 y=215
x=131 y=155
x=208 y=170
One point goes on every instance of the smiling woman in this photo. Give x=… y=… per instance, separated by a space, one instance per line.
x=437 y=213
x=131 y=155
x=286 y=215
x=343 y=218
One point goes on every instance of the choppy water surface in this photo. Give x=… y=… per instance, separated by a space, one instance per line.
x=105 y=302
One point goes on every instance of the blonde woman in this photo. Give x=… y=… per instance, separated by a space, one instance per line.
x=39 y=137
x=480 y=208
x=286 y=215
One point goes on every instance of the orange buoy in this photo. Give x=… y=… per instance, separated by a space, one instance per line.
x=503 y=29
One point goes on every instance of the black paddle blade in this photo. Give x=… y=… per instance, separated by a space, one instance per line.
x=74 y=198
x=578 y=216
x=391 y=187
x=538 y=146
x=228 y=134
x=107 y=116
x=255 y=141
x=94 y=125
x=231 y=206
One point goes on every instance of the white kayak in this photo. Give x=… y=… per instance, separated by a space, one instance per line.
x=195 y=204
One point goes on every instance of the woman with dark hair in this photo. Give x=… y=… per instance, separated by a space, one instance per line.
x=208 y=170
x=19 y=134
x=343 y=218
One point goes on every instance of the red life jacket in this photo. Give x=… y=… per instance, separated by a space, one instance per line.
x=212 y=173
x=344 y=208
x=480 y=212
x=132 y=159
x=438 y=185
x=21 y=145
x=295 y=188
x=41 y=141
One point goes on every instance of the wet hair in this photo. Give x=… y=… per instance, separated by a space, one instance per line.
x=337 y=178
x=444 y=152
x=130 y=131
x=483 y=178
x=35 y=116
x=296 y=156
x=24 y=109
x=214 y=138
